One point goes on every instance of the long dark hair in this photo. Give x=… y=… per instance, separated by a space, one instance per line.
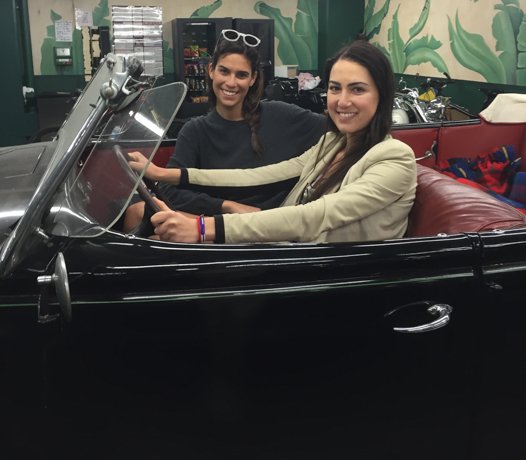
x=251 y=110
x=379 y=67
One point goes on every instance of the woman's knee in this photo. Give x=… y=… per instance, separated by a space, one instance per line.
x=133 y=216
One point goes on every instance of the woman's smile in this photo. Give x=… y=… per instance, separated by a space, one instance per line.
x=346 y=114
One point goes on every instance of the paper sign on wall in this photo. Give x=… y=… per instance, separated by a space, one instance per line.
x=83 y=17
x=63 y=31
x=138 y=30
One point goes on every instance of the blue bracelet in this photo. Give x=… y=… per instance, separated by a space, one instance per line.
x=202 y=229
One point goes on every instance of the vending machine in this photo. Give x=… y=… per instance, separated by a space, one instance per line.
x=194 y=41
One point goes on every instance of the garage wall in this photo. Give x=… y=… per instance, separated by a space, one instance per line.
x=18 y=119
x=340 y=22
x=479 y=43
x=298 y=18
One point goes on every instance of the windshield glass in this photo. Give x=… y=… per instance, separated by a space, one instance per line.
x=100 y=190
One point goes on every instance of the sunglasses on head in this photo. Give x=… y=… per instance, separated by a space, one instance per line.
x=233 y=36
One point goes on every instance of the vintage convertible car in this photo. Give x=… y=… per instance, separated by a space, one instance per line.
x=115 y=345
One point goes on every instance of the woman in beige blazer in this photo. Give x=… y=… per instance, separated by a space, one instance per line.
x=356 y=184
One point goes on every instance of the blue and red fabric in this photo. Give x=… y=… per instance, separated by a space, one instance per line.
x=494 y=173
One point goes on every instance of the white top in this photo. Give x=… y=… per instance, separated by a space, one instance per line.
x=506 y=108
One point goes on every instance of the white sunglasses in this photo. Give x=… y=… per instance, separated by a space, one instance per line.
x=233 y=36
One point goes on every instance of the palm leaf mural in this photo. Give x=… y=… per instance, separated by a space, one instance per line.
x=101 y=11
x=298 y=45
x=509 y=29
x=306 y=25
x=414 y=51
x=207 y=10
x=521 y=58
x=369 y=10
x=506 y=42
x=423 y=50
x=417 y=28
x=396 y=45
x=373 y=22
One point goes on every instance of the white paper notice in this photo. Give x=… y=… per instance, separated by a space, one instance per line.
x=63 y=31
x=138 y=30
x=83 y=17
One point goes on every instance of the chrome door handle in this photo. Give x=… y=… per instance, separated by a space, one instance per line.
x=428 y=154
x=443 y=312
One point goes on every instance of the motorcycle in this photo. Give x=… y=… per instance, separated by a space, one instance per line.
x=430 y=107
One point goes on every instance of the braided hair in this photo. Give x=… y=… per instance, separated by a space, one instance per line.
x=251 y=109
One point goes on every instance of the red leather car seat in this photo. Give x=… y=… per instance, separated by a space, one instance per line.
x=443 y=205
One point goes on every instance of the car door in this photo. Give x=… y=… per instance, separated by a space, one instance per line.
x=501 y=415
x=283 y=351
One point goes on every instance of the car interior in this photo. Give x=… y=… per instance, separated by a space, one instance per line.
x=442 y=205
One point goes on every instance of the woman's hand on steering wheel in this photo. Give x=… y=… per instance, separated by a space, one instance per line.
x=155 y=173
x=139 y=162
x=174 y=226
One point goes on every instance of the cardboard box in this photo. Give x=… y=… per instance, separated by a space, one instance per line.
x=286 y=71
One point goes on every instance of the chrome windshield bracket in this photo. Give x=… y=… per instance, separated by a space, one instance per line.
x=42 y=234
x=60 y=280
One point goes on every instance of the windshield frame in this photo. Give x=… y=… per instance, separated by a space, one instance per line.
x=95 y=197
x=107 y=84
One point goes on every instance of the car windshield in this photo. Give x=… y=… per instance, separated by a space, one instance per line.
x=97 y=193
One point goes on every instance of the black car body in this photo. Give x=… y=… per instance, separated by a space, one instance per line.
x=118 y=346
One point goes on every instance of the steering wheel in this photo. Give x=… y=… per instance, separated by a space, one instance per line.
x=150 y=206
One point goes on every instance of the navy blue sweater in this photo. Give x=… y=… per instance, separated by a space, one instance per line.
x=211 y=142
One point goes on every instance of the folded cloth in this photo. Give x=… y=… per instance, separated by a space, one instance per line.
x=495 y=170
x=518 y=188
x=494 y=173
x=519 y=206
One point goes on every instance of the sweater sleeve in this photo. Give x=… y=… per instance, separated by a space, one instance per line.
x=304 y=125
x=386 y=178
x=249 y=177
x=186 y=155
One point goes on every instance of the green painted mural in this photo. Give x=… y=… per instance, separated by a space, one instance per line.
x=206 y=10
x=480 y=41
x=47 y=66
x=373 y=22
x=509 y=29
x=298 y=45
x=297 y=40
x=412 y=51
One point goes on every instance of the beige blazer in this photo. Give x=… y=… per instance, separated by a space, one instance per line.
x=372 y=202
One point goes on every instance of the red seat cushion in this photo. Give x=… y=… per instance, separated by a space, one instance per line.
x=443 y=205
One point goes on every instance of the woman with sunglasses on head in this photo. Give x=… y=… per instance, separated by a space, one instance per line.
x=356 y=184
x=239 y=132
